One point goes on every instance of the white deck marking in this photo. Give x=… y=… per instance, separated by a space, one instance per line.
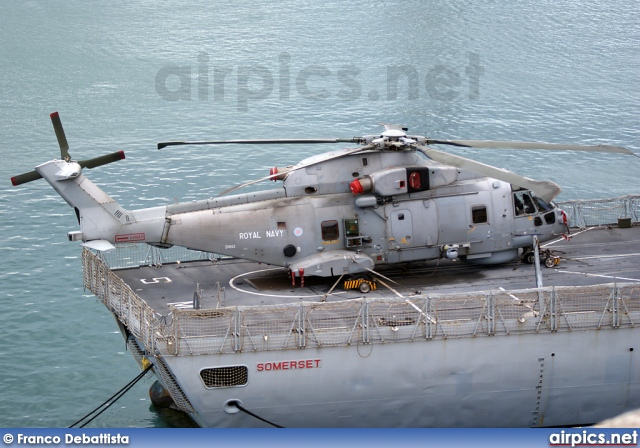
x=510 y=295
x=570 y=236
x=155 y=280
x=273 y=295
x=607 y=256
x=182 y=305
x=603 y=276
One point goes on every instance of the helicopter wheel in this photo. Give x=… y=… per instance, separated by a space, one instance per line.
x=529 y=257
x=364 y=287
x=549 y=262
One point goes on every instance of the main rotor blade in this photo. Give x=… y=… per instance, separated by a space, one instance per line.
x=299 y=167
x=62 y=139
x=284 y=141
x=531 y=145
x=544 y=189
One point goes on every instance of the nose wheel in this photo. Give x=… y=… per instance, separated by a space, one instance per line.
x=551 y=261
x=546 y=258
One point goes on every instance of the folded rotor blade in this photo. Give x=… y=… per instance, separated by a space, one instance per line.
x=299 y=167
x=264 y=142
x=530 y=145
x=544 y=189
x=62 y=139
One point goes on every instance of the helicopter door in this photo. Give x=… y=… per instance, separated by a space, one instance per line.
x=401 y=228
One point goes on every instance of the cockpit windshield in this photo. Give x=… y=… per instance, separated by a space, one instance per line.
x=527 y=203
x=542 y=205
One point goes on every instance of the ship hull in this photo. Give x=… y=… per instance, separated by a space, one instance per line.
x=530 y=380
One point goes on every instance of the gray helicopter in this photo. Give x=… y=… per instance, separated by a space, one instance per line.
x=392 y=199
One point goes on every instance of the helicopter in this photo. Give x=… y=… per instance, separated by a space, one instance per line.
x=391 y=199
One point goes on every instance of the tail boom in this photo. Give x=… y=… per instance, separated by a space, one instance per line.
x=100 y=216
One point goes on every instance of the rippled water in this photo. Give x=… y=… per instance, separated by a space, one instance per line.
x=125 y=75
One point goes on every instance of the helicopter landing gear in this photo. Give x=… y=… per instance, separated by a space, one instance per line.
x=549 y=260
x=529 y=257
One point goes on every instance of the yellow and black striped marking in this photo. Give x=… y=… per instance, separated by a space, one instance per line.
x=355 y=284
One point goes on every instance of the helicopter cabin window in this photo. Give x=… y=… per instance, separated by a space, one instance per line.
x=523 y=204
x=330 y=230
x=479 y=214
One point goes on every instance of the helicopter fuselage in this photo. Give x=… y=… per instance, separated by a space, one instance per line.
x=343 y=216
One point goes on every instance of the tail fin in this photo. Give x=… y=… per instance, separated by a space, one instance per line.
x=99 y=215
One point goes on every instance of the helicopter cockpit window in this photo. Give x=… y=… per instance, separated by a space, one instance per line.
x=523 y=203
x=479 y=214
x=330 y=230
x=542 y=206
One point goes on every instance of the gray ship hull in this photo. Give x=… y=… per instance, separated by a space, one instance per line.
x=532 y=380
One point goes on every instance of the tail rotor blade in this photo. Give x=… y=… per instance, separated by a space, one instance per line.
x=62 y=139
x=102 y=160
x=24 y=178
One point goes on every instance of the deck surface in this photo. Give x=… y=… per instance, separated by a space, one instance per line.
x=593 y=256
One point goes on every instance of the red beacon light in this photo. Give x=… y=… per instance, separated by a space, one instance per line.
x=356 y=187
x=276 y=173
x=359 y=186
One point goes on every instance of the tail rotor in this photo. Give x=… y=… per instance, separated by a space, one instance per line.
x=64 y=155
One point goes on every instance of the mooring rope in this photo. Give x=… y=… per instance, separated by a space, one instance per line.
x=115 y=397
x=239 y=406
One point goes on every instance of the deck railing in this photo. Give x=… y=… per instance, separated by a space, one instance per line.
x=599 y=212
x=363 y=321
